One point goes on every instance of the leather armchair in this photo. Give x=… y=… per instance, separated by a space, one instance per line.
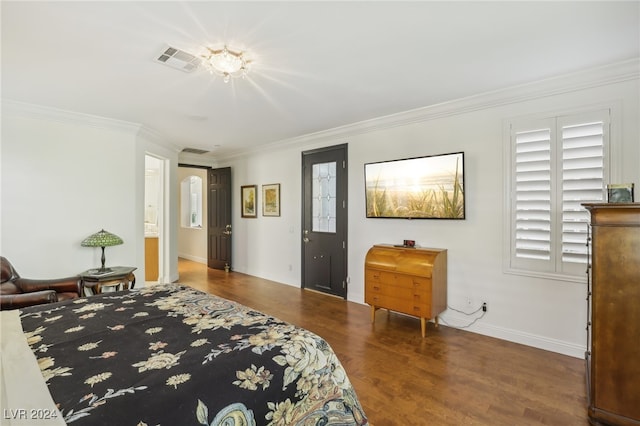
x=16 y=292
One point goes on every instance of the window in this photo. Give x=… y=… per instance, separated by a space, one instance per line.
x=556 y=164
x=323 y=188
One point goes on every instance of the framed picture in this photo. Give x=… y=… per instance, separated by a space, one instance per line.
x=271 y=199
x=249 y=200
x=620 y=193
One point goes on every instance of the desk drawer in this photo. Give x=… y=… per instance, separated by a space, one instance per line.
x=417 y=284
x=403 y=305
x=397 y=279
x=383 y=289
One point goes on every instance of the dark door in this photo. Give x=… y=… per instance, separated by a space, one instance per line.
x=219 y=218
x=324 y=220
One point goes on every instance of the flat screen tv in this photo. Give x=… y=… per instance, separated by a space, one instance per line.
x=429 y=187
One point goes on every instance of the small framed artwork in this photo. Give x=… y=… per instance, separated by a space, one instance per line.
x=271 y=199
x=620 y=193
x=249 y=199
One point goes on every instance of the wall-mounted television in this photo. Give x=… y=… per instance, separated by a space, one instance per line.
x=429 y=187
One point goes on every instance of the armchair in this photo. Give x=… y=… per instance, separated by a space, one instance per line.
x=16 y=292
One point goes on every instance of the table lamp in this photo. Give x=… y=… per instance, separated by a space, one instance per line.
x=102 y=239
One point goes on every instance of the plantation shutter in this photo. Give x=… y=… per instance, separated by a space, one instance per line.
x=557 y=164
x=533 y=194
x=582 y=181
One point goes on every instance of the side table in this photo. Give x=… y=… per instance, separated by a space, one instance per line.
x=116 y=277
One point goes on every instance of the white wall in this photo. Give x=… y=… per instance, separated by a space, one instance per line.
x=269 y=246
x=539 y=312
x=192 y=242
x=65 y=176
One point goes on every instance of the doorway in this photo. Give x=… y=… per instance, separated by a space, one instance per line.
x=154 y=219
x=324 y=220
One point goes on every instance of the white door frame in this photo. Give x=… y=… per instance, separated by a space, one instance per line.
x=163 y=215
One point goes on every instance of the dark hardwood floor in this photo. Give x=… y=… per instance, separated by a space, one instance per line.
x=451 y=377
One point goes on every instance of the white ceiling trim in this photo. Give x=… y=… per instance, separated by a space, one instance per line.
x=157 y=138
x=604 y=75
x=23 y=109
x=608 y=74
x=40 y=112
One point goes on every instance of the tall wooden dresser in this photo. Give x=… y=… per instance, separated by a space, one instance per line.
x=613 y=348
x=412 y=281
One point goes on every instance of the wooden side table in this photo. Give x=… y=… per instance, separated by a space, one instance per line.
x=117 y=277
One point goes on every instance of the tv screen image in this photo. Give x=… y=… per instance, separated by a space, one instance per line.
x=429 y=187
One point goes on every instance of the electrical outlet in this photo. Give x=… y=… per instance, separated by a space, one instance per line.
x=484 y=307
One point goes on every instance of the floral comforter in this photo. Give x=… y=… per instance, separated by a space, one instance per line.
x=172 y=355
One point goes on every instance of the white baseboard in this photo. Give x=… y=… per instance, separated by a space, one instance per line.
x=454 y=319
x=193 y=258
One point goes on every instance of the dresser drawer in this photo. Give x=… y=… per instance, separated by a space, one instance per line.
x=397 y=279
x=417 y=284
x=420 y=310
x=374 y=275
x=383 y=289
x=411 y=290
x=399 y=304
x=422 y=299
x=386 y=283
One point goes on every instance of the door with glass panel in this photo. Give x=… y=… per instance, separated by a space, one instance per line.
x=324 y=220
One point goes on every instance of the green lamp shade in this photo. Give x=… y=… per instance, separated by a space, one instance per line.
x=102 y=239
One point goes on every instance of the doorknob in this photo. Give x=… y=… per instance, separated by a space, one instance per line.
x=227 y=230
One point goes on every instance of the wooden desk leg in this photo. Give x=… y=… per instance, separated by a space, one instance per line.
x=373 y=314
x=132 y=281
x=128 y=282
x=436 y=320
x=423 y=326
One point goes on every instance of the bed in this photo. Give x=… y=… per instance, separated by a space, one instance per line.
x=172 y=355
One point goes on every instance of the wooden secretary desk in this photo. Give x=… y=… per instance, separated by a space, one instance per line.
x=613 y=347
x=412 y=281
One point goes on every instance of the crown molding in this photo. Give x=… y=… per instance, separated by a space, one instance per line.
x=590 y=78
x=40 y=112
x=156 y=138
x=23 y=109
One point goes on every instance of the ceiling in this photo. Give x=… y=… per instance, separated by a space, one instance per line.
x=317 y=65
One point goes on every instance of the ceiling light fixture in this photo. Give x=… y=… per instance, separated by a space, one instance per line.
x=226 y=63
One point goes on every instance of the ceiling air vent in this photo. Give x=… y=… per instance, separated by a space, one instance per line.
x=179 y=59
x=194 y=151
